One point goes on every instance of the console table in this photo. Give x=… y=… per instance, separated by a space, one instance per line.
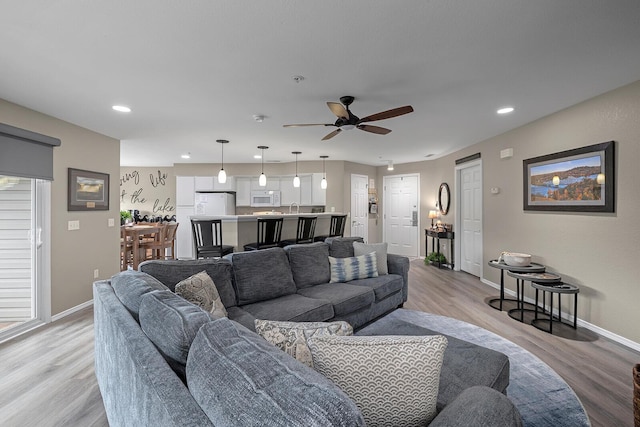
x=436 y=236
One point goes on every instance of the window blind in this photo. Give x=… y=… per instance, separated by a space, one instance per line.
x=26 y=154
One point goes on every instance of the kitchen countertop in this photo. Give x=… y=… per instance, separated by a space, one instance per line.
x=277 y=214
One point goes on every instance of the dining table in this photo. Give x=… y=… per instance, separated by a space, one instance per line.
x=135 y=233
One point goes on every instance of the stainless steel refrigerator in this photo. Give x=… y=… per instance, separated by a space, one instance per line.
x=215 y=203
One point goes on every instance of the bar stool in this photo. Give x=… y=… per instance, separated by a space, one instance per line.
x=305 y=232
x=336 y=228
x=207 y=235
x=269 y=234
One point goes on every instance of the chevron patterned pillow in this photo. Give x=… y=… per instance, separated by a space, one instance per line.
x=392 y=379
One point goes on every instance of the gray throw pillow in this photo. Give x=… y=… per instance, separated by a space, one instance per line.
x=381 y=254
x=291 y=337
x=200 y=290
x=131 y=285
x=394 y=380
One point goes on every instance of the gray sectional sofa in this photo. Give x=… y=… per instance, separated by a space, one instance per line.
x=162 y=361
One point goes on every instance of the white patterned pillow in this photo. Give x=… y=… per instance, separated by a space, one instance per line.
x=392 y=379
x=358 y=267
x=200 y=290
x=291 y=337
x=380 y=249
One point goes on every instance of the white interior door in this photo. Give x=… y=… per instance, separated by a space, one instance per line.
x=359 y=206
x=401 y=213
x=471 y=218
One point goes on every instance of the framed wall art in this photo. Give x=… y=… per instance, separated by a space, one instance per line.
x=578 y=180
x=88 y=191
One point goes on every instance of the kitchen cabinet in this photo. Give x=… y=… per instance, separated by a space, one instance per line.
x=305 y=190
x=204 y=183
x=288 y=193
x=318 y=195
x=273 y=183
x=229 y=185
x=184 y=238
x=243 y=191
x=308 y=194
x=185 y=191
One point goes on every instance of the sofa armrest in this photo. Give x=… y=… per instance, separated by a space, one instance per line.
x=479 y=406
x=398 y=264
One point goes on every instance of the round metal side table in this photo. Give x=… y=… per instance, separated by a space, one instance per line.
x=531 y=268
x=548 y=278
x=554 y=288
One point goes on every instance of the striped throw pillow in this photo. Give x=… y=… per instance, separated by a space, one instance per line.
x=358 y=267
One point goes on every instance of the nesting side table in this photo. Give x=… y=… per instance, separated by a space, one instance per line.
x=546 y=278
x=531 y=268
x=554 y=288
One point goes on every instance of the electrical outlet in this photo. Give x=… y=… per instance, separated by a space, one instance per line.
x=96 y=273
x=111 y=222
x=73 y=225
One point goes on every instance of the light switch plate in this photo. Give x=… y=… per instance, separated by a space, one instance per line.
x=111 y=222
x=73 y=225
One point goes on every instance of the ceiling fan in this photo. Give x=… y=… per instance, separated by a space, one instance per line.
x=347 y=120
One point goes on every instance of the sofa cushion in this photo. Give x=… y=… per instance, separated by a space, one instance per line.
x=291 y=337
x=493 y=366
x=130 y=286
x=170 y=272
x=341 y=247
x=309 y=264
x=380 y=250
x=382 y=286
x=200 y=290
x=347 y=269
x=253 y=383
x=262 y=275
x=294 y=308
x=241 y=316
x=392 y=379
x=345 y=297
x=171 y=323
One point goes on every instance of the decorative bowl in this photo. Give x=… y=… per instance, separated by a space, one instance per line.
x=515 y=259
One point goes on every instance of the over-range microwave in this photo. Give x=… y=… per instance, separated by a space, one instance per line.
x=265 y=198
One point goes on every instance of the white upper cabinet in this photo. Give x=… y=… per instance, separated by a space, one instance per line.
x=318 y=195
x=243 y=190
x=185 y=191
x=204 y=183
x=229 y=185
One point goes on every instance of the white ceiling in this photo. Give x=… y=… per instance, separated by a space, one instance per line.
x=196 y=71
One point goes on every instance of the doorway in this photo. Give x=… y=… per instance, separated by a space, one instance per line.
x=469 y=216
x=24 y=254
x=360 y=206
x=401 y=213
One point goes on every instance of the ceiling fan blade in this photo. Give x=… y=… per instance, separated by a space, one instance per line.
x=387 y=114
x=332 y=134
x=338 y=109
x=374 y=129
x=308 y=124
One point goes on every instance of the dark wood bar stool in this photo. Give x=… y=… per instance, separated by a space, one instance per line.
x=305 y=232
x=269 y=234
x=207 y=235
x=336 y=228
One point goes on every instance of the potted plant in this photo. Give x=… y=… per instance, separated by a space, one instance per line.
x=125 y=216
x=435 y=258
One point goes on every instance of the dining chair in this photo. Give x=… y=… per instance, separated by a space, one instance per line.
x=169 y=241
x=269 y=234
x=207 y=237
x=153 y=245
x=126 y=250
x=304 y=234
x=336 y=228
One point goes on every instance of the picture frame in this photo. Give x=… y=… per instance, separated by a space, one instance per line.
x=577 y=180
x=87 y=190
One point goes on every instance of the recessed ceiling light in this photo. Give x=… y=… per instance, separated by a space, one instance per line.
x=186 y=156
x=122 y=108
x=505 y=110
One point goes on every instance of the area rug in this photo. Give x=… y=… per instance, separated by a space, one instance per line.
x=540 y=394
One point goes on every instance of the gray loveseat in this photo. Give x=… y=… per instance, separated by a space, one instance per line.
x=162 y=361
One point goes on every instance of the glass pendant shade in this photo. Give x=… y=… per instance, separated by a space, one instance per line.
x=323 y=183
x=262 y=181
x=296 y=181
x=222 y=176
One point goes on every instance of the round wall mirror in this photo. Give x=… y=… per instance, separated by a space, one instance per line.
x=444 y=198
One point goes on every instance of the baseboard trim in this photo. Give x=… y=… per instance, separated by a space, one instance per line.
x=583 y=323
x=71 y=310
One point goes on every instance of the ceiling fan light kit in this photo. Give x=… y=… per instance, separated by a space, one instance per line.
x=222 y=175
x=262 y=181
x=347 y=120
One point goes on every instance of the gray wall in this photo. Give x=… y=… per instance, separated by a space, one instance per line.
x=598 y=252
x=75 y=254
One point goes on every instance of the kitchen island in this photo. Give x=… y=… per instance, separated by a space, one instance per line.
x=239 y=230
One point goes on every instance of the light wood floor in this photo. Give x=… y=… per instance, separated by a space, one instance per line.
x=47 y=376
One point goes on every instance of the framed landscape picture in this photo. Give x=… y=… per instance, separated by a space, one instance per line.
x=578 y=180
x=88 y=191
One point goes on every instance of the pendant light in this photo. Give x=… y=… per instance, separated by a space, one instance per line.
x=262 y=181
x=222 y=175
x=323 y=183
x=296 y=179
